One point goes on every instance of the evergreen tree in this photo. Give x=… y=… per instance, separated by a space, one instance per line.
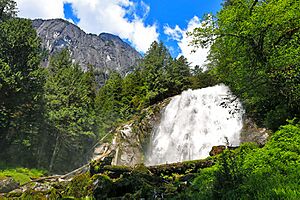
x=21 y=84
x=156 y=78
x=69 y=106
x=108 y=103
x=202 y=79
x=178 y=76
x=132 y=94
x=154 y=69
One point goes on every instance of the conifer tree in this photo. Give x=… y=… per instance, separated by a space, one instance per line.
x=69 y=106
x=21 y=84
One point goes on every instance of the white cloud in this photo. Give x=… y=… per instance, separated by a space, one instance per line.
x=97 y=16
x=198 y=57
x=40 y=9
x=110 y=16
x=175 y=33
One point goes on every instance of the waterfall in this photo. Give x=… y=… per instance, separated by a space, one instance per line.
x=194 y=122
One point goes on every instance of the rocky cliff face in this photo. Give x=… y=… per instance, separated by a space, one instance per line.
x=105 y=52
x=131 y=139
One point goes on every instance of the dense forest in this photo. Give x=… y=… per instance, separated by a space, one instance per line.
x=50 y=118
x=53 y=116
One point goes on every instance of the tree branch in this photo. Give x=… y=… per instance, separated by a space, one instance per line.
x=253 y=5
x=244 y=38
x=1 y=12
x=289 y=33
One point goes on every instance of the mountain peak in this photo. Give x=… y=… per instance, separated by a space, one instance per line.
x=105 y=52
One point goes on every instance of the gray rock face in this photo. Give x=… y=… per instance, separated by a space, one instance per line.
x=105 y=52
x=252 y=133
x=131 y=139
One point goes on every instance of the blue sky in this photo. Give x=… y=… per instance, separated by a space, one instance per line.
x=139 y=22
x=69 y=13
x=178 y=12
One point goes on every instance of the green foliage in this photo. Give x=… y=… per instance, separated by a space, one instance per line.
x=7 y=9
x=276 y=116
x=202 y=79
x=249 y=172
x=256 y=53
x=108 y=103
x=132 y=94
x=154 y=72
x=48 y=114
x=80 y=186
x=202 y=186
x=162 y=76
x=69 y=97
x=178 y=74
x=21 y=86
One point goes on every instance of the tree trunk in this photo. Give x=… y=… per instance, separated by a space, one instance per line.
x=54 y=154
x=41 y=154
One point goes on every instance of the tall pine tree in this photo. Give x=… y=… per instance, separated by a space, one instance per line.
x=69 y=97
x=21 y=84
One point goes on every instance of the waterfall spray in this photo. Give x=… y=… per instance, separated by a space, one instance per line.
x=193 y=122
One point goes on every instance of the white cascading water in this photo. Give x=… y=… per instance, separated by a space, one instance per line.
x=193 y=123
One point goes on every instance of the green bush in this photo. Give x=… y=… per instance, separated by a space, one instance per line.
x=276 y=117
x=271 y=172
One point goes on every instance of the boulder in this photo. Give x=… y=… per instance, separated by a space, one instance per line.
x=217 y=150
x=8 y=184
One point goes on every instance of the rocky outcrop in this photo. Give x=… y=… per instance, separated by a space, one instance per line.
x=105 y=51
x=131 y=139
x=252 y=133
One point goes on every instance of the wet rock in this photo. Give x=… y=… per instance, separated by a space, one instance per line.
x=100 y=150
x=217 y=150
x=252 y=133
x=131 y=139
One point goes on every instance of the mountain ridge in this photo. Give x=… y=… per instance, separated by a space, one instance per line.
x=105 y=52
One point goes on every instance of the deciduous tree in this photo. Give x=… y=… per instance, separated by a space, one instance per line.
x=255 y=50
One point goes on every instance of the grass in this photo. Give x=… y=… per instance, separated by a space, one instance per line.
x=21 y=175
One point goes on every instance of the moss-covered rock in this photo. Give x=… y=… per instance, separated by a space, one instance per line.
x=8 y=184
x=80 y=186
x=105 y=181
